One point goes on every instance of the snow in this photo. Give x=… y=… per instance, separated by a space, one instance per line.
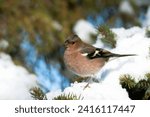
x=57 y=26
x=84 y=29
x=15 y=81
x=3 y=44
x=125 y=7
x=129 y=41
x=142 y=2
x=53 y=94
x=95 y=91
x=147 y=22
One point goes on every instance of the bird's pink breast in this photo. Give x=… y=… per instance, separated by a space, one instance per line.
x=81 y=65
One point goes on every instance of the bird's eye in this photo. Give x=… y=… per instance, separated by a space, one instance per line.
x=73 y=42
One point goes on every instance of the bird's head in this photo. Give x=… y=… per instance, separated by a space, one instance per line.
x=72 y=41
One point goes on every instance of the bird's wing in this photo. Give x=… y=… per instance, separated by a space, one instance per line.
x=92 y=52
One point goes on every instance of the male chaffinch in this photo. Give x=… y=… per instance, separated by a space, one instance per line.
x=86 y=60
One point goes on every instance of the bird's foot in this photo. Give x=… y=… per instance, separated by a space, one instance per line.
x=86 y=86
x=79 y=79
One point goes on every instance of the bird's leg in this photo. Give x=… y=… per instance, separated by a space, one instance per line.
x=87 y=85
x=79 y=79
x=96 y=80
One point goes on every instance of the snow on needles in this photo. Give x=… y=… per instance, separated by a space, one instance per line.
x=15 y=81
x=129 y=41
x=84 y=29
x=125 y=7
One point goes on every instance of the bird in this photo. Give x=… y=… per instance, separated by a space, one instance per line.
x=84 y=59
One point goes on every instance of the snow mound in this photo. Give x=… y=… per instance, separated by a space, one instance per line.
x=15 y=81
x=95 y=91
x=129 y=41
x=125 y=7
x=84 y=29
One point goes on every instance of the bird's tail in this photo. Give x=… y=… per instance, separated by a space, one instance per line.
x=121 y=55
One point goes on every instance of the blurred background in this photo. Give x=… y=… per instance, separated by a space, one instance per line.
x=32 y=32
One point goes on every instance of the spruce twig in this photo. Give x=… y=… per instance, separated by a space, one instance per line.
x=127 y=81
x=108 y=37
x=37 y=94
x=136 y=90
x=147 y=33
x=69 y=96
